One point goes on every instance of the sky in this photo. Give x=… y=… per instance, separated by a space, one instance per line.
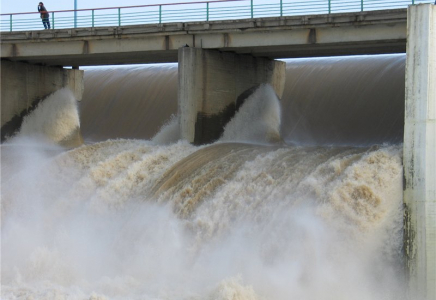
x=11 y=6
x=15 y=6
x=20 y=6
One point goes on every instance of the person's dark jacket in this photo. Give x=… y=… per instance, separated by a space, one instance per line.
x=44 y=13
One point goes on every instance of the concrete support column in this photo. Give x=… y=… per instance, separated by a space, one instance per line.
x=420 y=151
x=25 y=85
x=210 y=83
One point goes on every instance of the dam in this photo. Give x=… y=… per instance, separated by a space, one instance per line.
x=300 y=196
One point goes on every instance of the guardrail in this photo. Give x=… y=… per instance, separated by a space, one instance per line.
x=194 y=11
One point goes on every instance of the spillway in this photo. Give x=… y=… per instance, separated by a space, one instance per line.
x=135 y=213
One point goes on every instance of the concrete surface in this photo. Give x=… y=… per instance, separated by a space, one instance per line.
x=420 y=151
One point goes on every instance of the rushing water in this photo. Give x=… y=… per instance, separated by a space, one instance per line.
x=315 y=215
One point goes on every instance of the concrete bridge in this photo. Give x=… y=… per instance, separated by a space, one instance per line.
x=371 y=32
x=226 y=59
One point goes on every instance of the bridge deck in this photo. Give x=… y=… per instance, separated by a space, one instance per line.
x=371 y=32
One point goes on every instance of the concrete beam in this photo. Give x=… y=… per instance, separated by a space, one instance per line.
x=420 y=151
x=212 y=85
x=23 y=86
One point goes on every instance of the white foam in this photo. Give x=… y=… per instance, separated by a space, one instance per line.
x=55 y=118
x=264 y=223
x=169 y=133
x=258 y=119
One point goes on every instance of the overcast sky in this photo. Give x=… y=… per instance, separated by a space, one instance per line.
x=19 y=6
x=11 y=6
x=15 y=6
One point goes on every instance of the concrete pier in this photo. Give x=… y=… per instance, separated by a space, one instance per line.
x=212 y=85
x=420 y=151
x=25 y=85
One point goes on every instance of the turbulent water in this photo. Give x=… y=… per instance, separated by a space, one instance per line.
x=240 y=219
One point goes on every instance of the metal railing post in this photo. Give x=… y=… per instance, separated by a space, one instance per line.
x=160 y=14
x=10 y=22
x=413 y=2
x=281 y=8
x=75 y=13
x=119 y=16
x=361 y=5
x=207 y=11
x=330 y=6
x=92 y=18
x=52 y=20
x=252 y=8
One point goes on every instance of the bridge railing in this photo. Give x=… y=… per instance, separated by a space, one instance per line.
x=193 y=11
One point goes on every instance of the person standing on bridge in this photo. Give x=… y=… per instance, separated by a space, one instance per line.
x=44 y=15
